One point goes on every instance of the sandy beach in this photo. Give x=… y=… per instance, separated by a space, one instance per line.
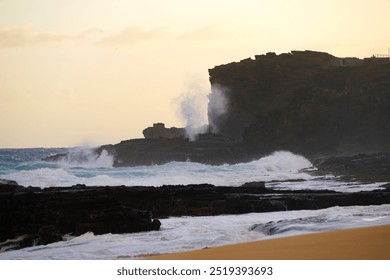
x=371 y=243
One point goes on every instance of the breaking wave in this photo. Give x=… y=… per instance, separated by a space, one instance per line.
x=86 y=158
x=281 y=169
x=86 y=167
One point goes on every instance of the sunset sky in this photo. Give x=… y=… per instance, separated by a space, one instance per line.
x=95 y=72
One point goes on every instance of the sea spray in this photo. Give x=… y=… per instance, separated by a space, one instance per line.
x=199 y=108
x=280 y=170
x=92 y=169
x=86 y=157
x=193 y=109
x=217 y=106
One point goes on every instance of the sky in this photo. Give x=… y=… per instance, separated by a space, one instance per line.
x=93 y=72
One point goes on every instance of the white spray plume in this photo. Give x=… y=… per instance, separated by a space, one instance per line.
x=199 y=108
x=218 y=105
x=193 y=109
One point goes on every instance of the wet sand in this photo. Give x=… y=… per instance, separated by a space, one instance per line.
x=371 y=243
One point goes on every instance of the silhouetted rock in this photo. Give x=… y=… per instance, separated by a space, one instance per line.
x=158 y=130
x=80 y=209
x=9 y=185
x=306 y=102
x=50 y=213
x=4 y=182
x=207 y=148
x=363 y=167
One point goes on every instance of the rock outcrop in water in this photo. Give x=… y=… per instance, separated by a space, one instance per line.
x=306 y=102
x=207 y=148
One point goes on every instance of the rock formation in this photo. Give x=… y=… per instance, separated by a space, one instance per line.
x=40 y=216
x=307 y=102
x=208 y=148
x=158 y=130
x=310 y=103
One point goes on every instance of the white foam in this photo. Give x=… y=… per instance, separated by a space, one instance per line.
x=279 y=166
x=43 y=177
x=187 y=233
x=85 y=157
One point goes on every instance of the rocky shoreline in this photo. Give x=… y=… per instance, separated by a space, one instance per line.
x=32 y=216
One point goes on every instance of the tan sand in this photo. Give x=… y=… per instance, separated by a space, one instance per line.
x=371 y=243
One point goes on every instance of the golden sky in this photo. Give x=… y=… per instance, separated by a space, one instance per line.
x=100 y=71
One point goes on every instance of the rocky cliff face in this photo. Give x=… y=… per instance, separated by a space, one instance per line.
x=310 y=103
x=306 y=102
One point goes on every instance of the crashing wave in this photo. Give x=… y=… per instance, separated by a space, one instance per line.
x=84 y=157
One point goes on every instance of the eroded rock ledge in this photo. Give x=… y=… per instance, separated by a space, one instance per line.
x=40 y=216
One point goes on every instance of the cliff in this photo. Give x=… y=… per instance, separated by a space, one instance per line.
x=307 y=102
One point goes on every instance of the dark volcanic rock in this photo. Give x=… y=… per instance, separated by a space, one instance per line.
x=9 y=186
x=306 y=102
x=363 y=167
x=52 y=212
x=207 y=148
x=158 y=130
x=4 y=182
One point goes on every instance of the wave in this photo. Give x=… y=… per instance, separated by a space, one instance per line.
x=85 y=157
x=190 y=233
x=87 y=168
x=49 y=177
x=333 y=218
x=281 y=170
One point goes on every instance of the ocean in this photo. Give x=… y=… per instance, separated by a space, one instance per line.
x=280 y=170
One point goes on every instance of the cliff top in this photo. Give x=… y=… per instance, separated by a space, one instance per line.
x=311 y=57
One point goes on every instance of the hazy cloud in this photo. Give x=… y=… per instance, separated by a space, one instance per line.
x=23 y=35
x=207 y=33
x=133 y=35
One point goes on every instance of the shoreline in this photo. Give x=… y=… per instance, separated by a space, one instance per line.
x=368 y=243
